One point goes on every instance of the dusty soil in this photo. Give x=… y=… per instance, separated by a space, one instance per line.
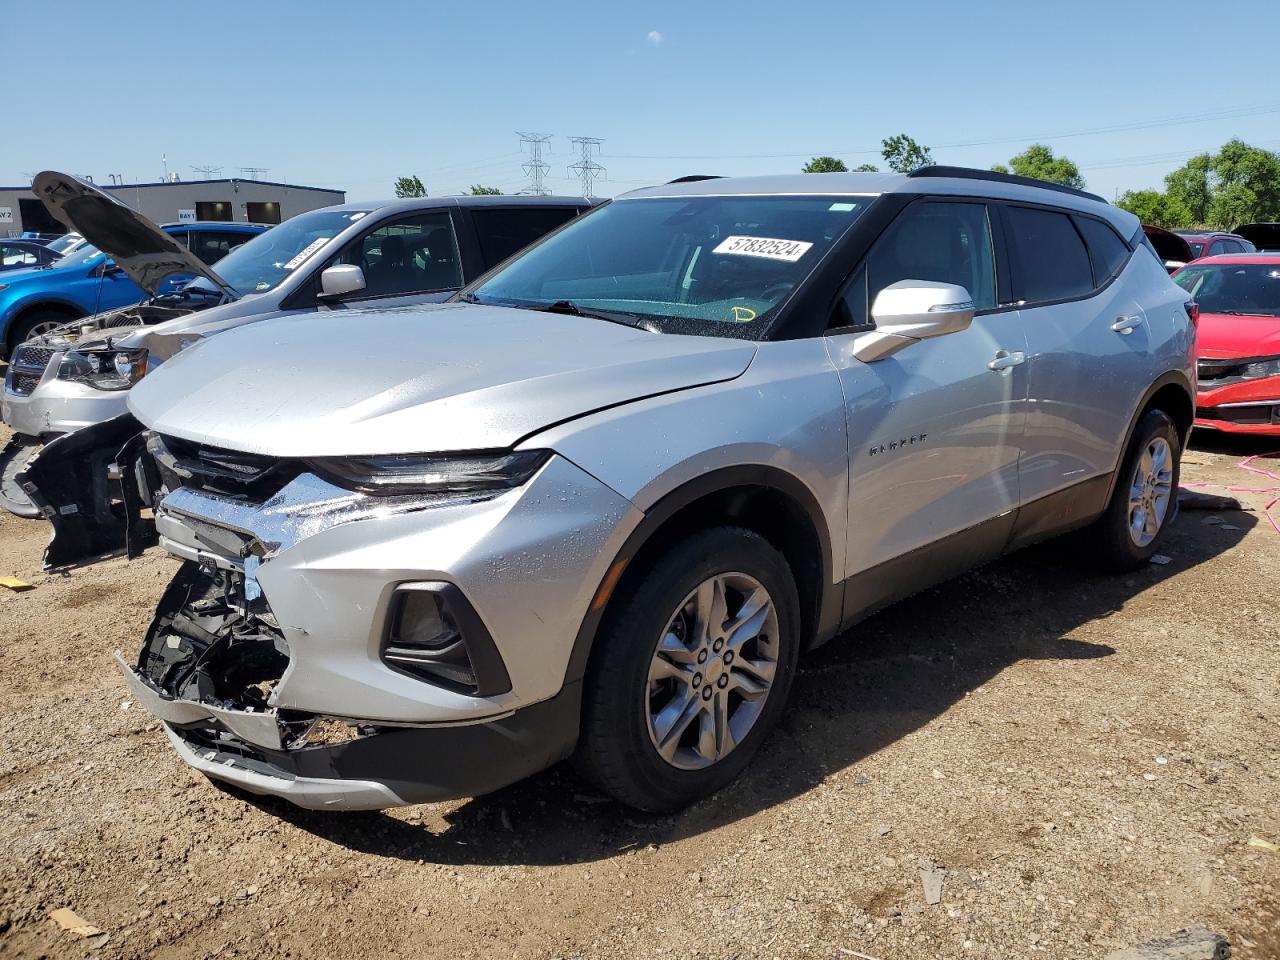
x=1087 y=757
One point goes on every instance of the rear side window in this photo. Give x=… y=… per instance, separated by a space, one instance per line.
x=504 y=232
x=1053 y=263
x=1106 y=250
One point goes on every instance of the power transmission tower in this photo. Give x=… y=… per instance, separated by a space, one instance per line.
x=586 y=169
x=535 y=168
x=209 y=172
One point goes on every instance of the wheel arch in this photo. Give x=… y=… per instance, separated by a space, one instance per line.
x=1174 y=394
x=765 y=499
x=71 y=310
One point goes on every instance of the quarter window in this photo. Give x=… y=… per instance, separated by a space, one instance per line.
x=1053 y=263
x=1106 y=250
x=504 y=232
x=944 y=242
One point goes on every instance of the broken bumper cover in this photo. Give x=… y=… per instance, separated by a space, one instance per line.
x=392 y=767
x=1246 y=406
x=279 y=622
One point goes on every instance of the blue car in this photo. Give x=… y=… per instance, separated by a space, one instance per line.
x=85 y=282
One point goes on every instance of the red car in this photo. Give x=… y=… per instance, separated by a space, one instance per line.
x=1238 y=341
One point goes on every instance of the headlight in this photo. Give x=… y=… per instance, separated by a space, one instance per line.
x=104 y=369
x=406 y=474
x=1261 y=368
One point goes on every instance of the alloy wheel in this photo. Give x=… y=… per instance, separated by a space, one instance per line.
x=712 y=670
x=1150 y=491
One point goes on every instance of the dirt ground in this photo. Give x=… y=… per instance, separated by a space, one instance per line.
x=1087 y=757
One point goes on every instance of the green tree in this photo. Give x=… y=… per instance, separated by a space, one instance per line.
x=902 y=154
x=999 y=168
x=866 y=168
x=1238 y=184
x=1039 y=162
x=410 y=187
x=1189 y=187
x=478 y=191
x=1246 y=185
x=1152 y=206
x=824 y=165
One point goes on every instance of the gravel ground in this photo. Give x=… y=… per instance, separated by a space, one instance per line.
x=1087 y=758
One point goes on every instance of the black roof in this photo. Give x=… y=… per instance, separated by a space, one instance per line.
x=972 y=173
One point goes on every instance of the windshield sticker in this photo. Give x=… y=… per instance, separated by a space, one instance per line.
x=742 y=314
x=305 y=252
x=841 y=207
x=767 y=247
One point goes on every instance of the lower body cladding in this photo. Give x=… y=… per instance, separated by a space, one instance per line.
x=344 y=651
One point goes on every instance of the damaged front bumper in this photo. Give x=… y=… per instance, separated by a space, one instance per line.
x=272 y=659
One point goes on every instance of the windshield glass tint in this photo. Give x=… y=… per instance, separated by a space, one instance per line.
x=1248 y=288
x=267 y=259
x=709 y=265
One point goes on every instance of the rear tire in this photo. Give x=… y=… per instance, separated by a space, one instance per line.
x=690 y=671
x=1144 y=501
x=13 y=460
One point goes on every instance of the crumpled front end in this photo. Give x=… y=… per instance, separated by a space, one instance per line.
x=344 y=649
x=1239 y=395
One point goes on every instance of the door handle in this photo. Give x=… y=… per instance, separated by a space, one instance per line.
x=1126 y=325
x=1004 y=361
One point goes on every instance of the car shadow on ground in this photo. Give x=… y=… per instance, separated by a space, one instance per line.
x=884 y=679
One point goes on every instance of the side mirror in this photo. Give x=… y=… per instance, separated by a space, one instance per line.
x=912 y=310
x=111 y=270
x=341 y=280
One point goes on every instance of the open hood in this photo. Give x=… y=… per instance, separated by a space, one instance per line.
x=142 y=250
x=1264 y=236
x=420 y=379
x=1170 y=248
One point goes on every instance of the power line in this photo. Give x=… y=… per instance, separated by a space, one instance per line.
x=1232 y=114
x=586 y=169
x=535 y=168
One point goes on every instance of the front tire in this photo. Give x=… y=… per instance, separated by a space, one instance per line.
x=1144 y=501
x=691 y=670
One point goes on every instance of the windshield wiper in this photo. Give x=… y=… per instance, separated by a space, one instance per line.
x=572 y=309
x=468 y=298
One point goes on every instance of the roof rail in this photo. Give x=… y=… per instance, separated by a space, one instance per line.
x=695 y=177
x=970 y=173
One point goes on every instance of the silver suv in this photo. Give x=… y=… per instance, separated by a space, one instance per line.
x=602 y=501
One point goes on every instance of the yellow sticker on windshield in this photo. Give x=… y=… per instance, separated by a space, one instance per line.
x=742 y=314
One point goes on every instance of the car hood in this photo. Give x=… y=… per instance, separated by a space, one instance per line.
x=421 y=379
x=142 y=250
x=1226 y=336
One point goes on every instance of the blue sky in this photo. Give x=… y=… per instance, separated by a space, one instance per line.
x=351 y=95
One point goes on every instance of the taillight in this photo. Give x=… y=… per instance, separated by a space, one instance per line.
x=1193 y=312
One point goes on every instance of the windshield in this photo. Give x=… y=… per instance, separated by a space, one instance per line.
x=266 y=260
x=77 y=257
x=1197 y=248
x=64 y=242
x=1245 y=288
x=708 y=265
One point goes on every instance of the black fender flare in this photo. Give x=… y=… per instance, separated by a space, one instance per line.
x=830 y=598
x=1169 y=378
